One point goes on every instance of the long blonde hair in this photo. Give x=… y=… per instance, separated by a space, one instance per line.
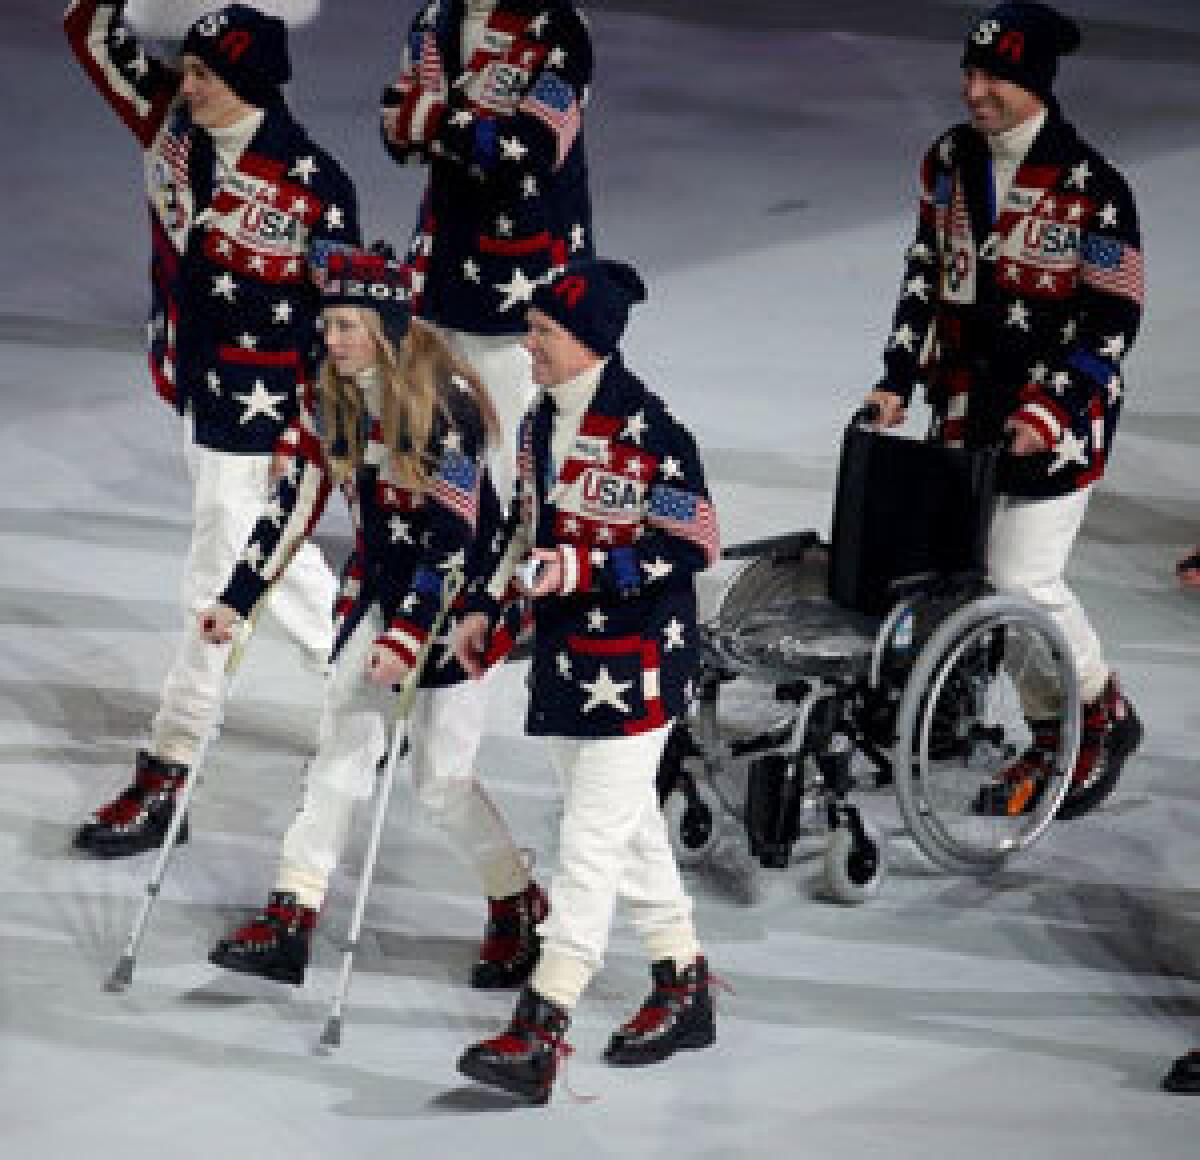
x=417 y=380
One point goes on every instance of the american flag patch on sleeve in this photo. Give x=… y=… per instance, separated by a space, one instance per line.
x=456 y=487
x=1113 y=267
x=552 y=101
x=686 y=515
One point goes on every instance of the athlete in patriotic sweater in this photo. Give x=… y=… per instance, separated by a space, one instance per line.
x=490 y=98
x=1022 y=295
x=611 y=504
x=237 y=190
x=401 y=424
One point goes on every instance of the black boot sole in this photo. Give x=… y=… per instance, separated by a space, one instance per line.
x=1123 y=743
x=124 y=846
x=479 y=1070
x=658 y=1050
x=242 y=966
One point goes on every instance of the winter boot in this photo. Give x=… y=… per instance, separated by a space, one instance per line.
x=1019 y=788
x=1111 y=734
x=138 y=819
x=677 y=1015
x=524 y=1060
x=274 y=945
x=510 y=943
x=1184 y=1076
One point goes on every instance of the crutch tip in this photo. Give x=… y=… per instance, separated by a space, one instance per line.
x=332 y=1035
x=122 y=975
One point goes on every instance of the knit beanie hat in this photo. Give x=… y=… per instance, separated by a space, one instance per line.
x=245 y=48
x=372 y=279
x=1021 y=41
x=592 y=297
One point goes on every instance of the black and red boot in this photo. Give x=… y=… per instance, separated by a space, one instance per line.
x=511 y=944
x=524 y=1060
x=273 y=945
x=676 y=1016
x=1110 y=735
x=137 y=819
x=1184 y=1076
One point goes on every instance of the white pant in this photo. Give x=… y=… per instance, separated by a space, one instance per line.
x=229 y=493
x=444 y=733
x=613 y=841
x=1030 y=543
x=506 y=369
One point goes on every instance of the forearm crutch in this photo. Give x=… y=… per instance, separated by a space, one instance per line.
x=331 y=1036
x=122 y=973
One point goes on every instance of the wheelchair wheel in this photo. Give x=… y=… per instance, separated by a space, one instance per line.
x=966 y=792
x=855 y=863
x=693 y=814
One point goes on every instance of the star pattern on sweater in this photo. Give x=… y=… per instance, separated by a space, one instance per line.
x=904 y=336
x=1070 y=330
x=597 y=620
x=605 y=691
x=1038 y=373
x=917 y=287
x=304 y=169
x=1108 y=215
x=282 y=312
x=658 y=568
x=1113 y=346
x=673 y=634
x=512 y=149
x=400 y=530
x=529 y=186
x=1070 y=449
x=1060 y=382
x=1018 y=315
x=258 y=402
x=248 y=341
x=556 y=57
x=334 y=218
x=537 y=26
x=252 y=557
x=224 y=286
x=670 y=468
x=214 y=381
x=635 y=427
x=1079 y=175
x=461 y=118
x=564 y=666
x=578 y=237
x=1114 y=388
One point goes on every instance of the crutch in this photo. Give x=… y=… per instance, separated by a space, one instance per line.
x=331 y=1036
x=122 y=973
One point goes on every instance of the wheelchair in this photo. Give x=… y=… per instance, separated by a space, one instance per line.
x=884 y=657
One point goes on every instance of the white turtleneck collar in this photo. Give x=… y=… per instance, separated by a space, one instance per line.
x=231 y=141
x=571 y=400
x=1009 y=149
x=1014 y=143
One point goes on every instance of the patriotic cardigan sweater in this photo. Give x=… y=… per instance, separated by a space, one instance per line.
x=629 y=513
x=1026 y=309
x=232 y=308
x=507 y=198
x=405 y=542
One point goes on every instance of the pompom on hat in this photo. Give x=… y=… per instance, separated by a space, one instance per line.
x=591 y=298
x=1021 y=41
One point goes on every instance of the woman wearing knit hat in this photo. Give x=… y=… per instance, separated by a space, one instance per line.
x=237 y=192
x=402 y=426
x=610 y=523
x=1022 y=296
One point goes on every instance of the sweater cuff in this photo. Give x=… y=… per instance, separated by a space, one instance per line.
x=244 y=591
x=1043 y=415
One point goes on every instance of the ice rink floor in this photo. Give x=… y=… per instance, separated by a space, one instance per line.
x=758 y=160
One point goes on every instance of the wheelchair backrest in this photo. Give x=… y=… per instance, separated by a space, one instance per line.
x=905 y=507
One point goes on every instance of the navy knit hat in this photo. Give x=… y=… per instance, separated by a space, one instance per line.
x=592 y=297
x=372 y=279
x=1021 y=41
x=246 y=49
